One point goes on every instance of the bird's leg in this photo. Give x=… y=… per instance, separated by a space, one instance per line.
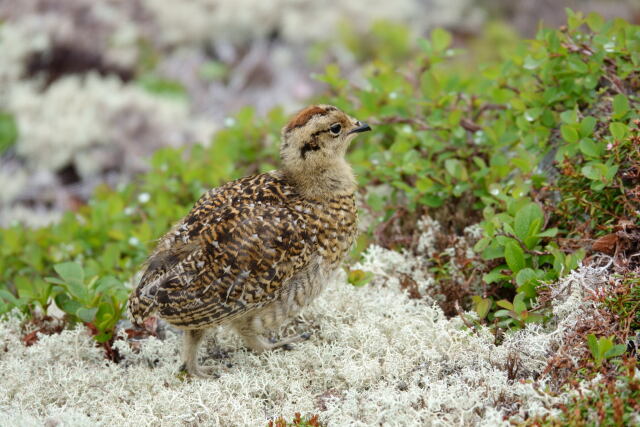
x=259 y=343
x=191 y=343
x=251 y=331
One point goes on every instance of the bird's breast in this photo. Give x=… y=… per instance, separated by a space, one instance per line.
x=333 y=228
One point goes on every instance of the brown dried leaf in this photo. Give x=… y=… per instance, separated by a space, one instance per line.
x=411 y=286
x=30 y=338
x=606 y=244
x=470 y=125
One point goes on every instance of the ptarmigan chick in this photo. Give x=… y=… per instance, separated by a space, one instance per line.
x=255 y=251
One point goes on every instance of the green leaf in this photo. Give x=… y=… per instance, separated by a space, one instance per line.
x=10 y=298
x=569 y=117
x=66 y=304
x=551 y=232
x=525 y=275
x=25 y=288
x=424 y=184
x=532 y=114
x=110 y=256
x=528 y=221
x=359 y=277
x=604 y=345
x=518 y=303
x=528 y=288
x=587 y=125
x=574 y=19
x=595 y=21
x=569 y=133
x=441 y=39
x=106 y=284
x=572 y=260
x=505 y=304
x=620 y=106
x=514 y=255
x=55 y=280
x=592 y=171
x=618 y=130
x=534 y=317
x=432 y=200
x=592 y=342
x=589 y=147
x=558 y=260
x=610 y=172
x=212 y=70
x=456 y=169
x=103 y=337
x=70 y=272
x=106 y=313
x=481 y=305
x=502 y=313
x=508 y=229
x=4 y=307
x=86 y=314
x=482 y=244
x=576 y=64
x=615 y=351
x=161 y=86
x=494 y=276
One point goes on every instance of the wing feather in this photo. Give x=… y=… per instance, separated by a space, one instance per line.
x=231 y=253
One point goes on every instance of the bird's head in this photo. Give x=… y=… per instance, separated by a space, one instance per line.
x=317 y=138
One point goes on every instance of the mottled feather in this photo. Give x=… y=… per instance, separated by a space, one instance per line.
x=255 y=251
x=237 y=250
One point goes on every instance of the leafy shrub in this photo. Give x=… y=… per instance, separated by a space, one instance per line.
x=603 y=348
x=297 y=421
x=98 y=301
x=613 y=400
x=540 y=146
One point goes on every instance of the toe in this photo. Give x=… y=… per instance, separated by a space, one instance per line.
x=202 y=372
x=198 y=371
x=305 y=335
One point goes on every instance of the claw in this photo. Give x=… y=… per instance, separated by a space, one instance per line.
x=286 y=344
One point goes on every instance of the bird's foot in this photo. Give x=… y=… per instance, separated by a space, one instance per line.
x=198 y=371
x=287 y=343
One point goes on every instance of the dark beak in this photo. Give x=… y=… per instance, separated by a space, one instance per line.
x=362 y=127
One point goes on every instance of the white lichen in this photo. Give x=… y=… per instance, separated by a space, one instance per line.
x=375 y=356
x=416 y=264
x=82 y=119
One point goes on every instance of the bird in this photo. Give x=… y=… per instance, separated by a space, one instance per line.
x=255 y=251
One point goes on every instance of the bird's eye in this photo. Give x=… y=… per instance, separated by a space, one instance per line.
x=335 y=128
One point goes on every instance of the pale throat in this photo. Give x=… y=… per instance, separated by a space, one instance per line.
x=322 y=181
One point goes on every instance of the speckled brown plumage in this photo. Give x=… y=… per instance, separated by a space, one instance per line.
x=245 y=240
x=255 y=251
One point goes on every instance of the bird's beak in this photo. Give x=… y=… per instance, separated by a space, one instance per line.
x=362 y=127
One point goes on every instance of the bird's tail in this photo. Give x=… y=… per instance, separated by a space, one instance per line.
x=142 y=302
x=140 y=307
